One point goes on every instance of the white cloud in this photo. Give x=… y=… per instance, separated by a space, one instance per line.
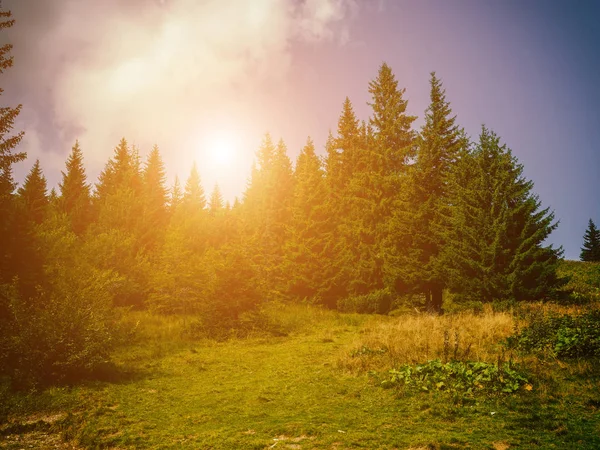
x=155 y=71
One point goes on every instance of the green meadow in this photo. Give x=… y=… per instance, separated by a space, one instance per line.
x=309 y=378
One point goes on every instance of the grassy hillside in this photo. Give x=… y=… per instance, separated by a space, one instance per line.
x=584 y=279
x=310 y=379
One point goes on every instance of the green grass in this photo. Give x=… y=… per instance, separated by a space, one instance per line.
x=291 y=392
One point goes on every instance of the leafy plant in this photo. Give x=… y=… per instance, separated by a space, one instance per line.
x=459 y=378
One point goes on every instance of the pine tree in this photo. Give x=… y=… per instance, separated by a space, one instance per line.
x=193 y=196
x=411 y=260
x=119 y=188
x=281 y=191
x=154 y=198
x=495 y=230
x=375 y=159
x=8 y=157
x=34 y=195
x=308 y=263
x=176 y=196
x=348 y=144
x=75 y=199
x=591 y=243
x=114 y=240
x=215 y=204
x=117 y=173
x=33 y=210
x=391 y=125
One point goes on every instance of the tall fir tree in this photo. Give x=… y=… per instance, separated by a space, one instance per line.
x=193 y=196
x=75 y=198
x=154 y=198
x=33 y=211
x=591 y=243
x=114 y=240
x=34 y=195
x=215 y=204
x=266 y=205
x=494 y=236
x=119 y=188
x=392 y=126
x=308 y=244
x=8 y=157
x=377 y=163
x=176 y=196
x=413 y=243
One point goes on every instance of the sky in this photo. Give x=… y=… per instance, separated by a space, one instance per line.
x=191 y=76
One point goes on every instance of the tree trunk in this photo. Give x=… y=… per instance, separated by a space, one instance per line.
x=436 y=299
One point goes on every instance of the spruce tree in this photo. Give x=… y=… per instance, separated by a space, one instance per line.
x=495 y=229
x=411 y=259
x=308 y=261
x=266 y=206
x=114 y=240
x=215 y=204
x=8 y=157
x=391 y=124
x=34 y=195
x=591 y=243
x=75 y=199
x=154 y=200
x=117 y=202
x=175 y=197
x=380 y=151
x=193 y=196
x=33 y=210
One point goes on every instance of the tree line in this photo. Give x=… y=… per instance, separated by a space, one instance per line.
x=388 y=211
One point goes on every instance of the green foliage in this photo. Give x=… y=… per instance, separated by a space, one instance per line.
x=75 y=197
x=413 y=243
x=215 y=204
x=65 y=331
x=375 y=302
x=583 y=281
x=591 y=243
x=155 y=217
x=562 y=336
x=495 y=230
x=308 y=248
x=8 y=225
x=459 y=378
x=34 y=195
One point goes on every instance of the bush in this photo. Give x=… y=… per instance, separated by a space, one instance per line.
x=65 y=331
x=57 y=337
x=376 y=302
x=561 y=336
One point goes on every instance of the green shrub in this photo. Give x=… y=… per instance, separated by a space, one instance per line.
x=561 y=336
x=376 y=302
x=64 y=332
x=57 y=337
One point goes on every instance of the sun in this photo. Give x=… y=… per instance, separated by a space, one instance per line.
x=221 y=149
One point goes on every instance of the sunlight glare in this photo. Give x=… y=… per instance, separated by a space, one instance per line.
x=222 y=149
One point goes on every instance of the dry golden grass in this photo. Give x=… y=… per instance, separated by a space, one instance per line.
x=386 y=344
